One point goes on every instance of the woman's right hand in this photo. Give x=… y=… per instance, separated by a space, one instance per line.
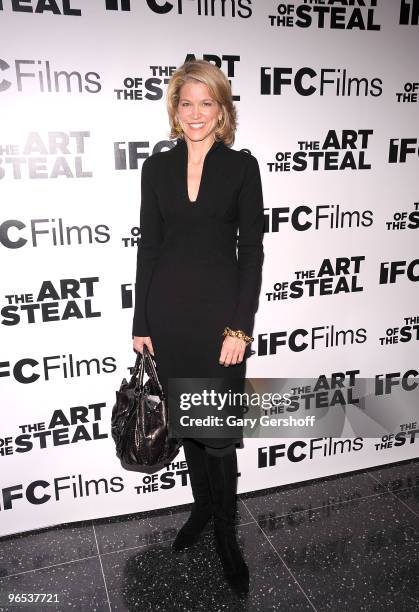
x=138 y=344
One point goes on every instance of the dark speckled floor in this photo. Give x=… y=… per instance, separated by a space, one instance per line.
x=342 y=543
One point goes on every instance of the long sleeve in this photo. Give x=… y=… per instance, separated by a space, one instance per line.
x=249 y=246
x=151 y=227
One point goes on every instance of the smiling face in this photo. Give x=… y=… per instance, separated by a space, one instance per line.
x=198 y=113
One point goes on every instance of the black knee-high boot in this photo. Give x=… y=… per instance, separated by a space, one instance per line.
x=202 y=507
x=222 y=472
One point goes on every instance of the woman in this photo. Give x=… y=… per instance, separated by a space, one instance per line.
x=191 y=288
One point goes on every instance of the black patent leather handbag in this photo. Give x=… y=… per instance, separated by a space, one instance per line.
x=139 y=422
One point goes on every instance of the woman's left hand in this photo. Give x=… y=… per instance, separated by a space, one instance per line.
x=232 y=351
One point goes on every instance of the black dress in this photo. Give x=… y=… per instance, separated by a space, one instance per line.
x=190 y=283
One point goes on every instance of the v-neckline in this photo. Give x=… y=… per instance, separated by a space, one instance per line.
x=183 y=145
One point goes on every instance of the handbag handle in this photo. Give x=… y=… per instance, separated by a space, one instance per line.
x=139 y=381
x=151 y=370
x=139 y=366
x=149 y=361
x=145 y=362
x=135 y=371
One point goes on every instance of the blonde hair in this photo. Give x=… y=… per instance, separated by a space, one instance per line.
x=220 y=89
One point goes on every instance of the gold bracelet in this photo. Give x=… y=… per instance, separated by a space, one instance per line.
x=237 y=334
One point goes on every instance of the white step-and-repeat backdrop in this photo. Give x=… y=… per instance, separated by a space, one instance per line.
x=327 y=98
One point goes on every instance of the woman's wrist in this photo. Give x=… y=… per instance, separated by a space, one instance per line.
x=237 y=333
